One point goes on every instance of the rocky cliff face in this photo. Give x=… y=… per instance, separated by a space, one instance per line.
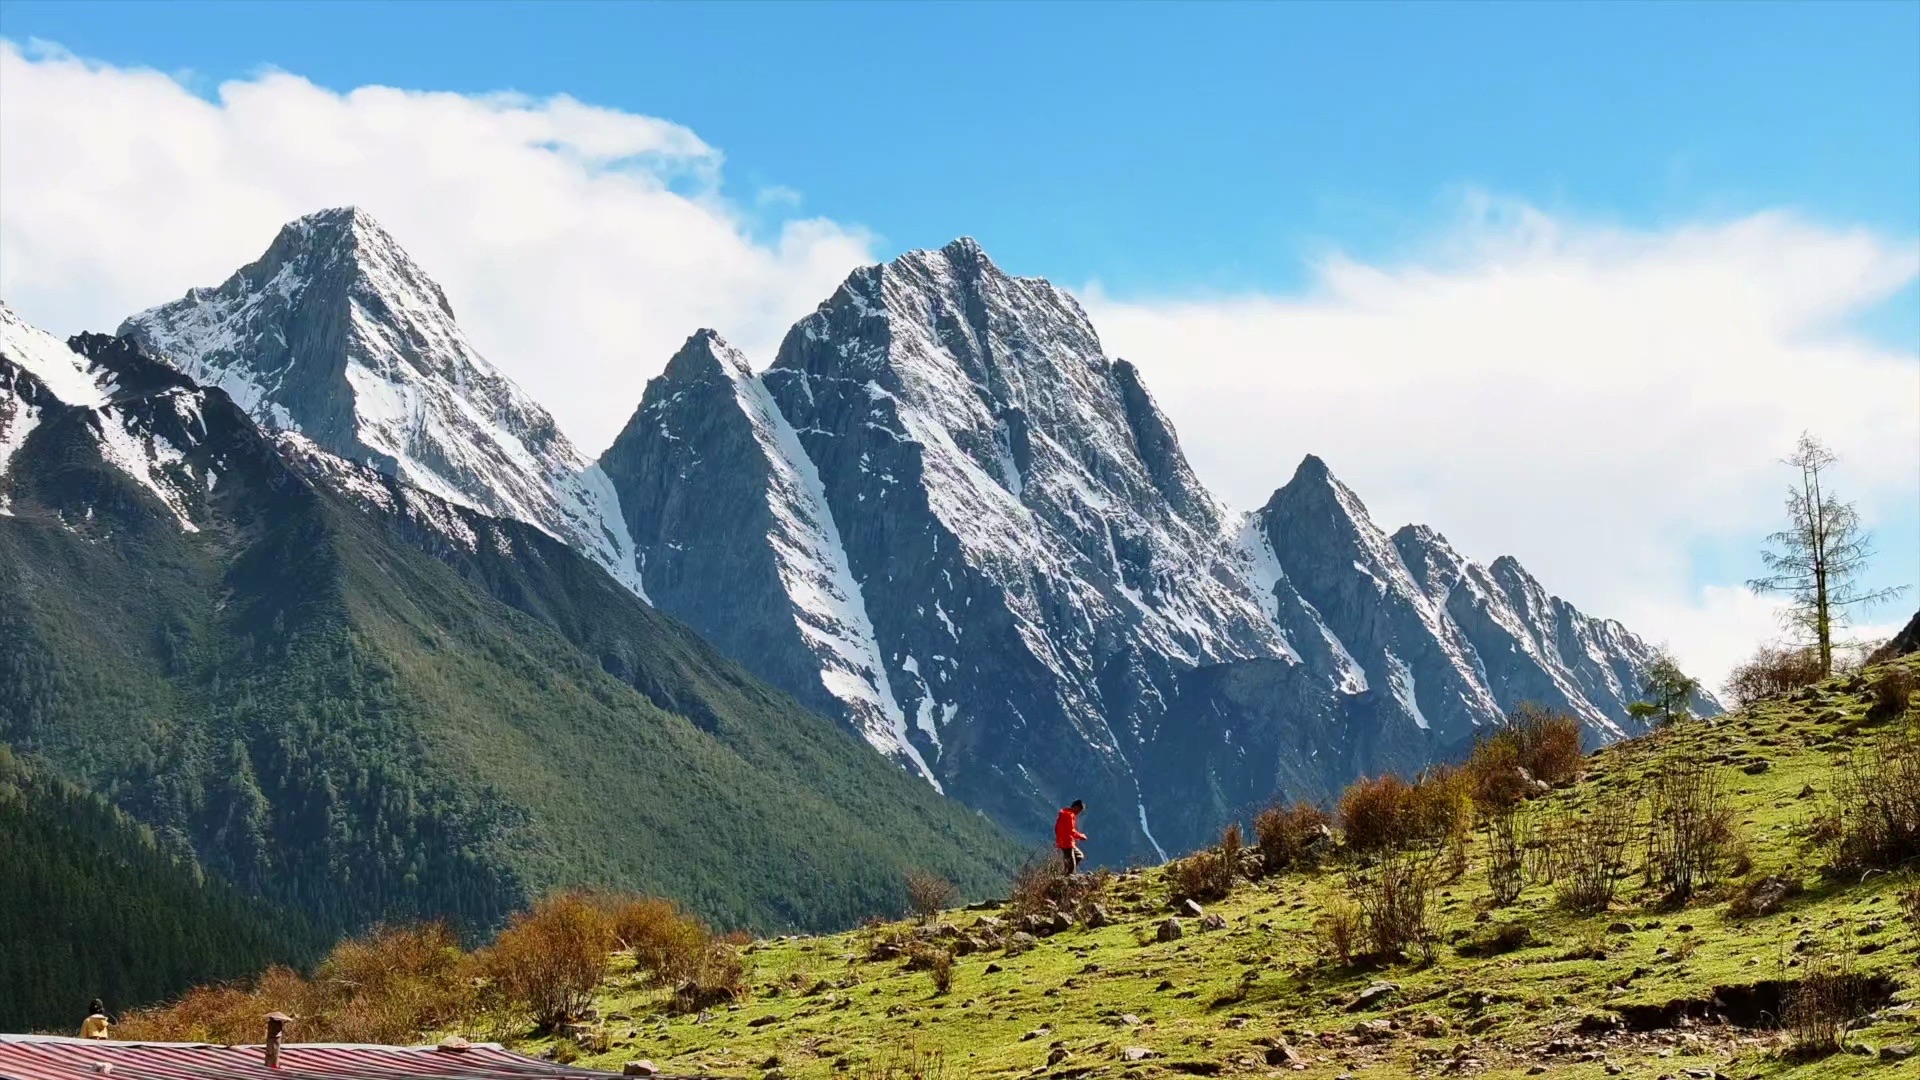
x=946 y=517
x=336 y=334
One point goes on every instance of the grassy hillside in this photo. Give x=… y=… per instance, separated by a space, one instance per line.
x=1649 y=987
x=92 y=907
x=342 y=711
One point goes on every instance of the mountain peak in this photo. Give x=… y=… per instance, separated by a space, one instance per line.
x=706 y=354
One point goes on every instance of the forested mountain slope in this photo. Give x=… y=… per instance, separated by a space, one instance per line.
x=369 y=703
x=94 y=906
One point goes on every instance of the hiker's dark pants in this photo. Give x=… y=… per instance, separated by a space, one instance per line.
x=1070 y=857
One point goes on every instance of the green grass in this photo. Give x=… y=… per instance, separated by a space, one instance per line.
x=1213 y=999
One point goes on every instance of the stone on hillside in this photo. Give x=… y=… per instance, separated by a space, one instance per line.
x=1213 y=922
x=1371 y=996
x=1284 y=1054
x=1136 y=1053
x=1896 y=1052
x=640 y=1068
x=1169 y=930
x=1097 y=917
x=1020 y=942
x=1057 y=1055
x=1191 y=908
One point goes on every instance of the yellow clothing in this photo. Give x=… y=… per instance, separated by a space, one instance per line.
x=95 y=1027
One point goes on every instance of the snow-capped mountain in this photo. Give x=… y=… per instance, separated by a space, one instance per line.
x=946 y=517
x=944 y=514
x=335 y=333
x=139 y=416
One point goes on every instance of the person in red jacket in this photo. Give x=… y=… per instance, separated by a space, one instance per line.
x=1066 y=830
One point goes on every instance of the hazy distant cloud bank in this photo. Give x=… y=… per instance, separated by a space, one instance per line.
x=1602 y=404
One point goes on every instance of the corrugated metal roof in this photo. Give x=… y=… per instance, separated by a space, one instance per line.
x=50 y=1057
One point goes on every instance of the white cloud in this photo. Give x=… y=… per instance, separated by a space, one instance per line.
x=1601 y=404
x=579 y=245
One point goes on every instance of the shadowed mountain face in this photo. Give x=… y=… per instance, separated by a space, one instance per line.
x=944 y=516
x=366 y=702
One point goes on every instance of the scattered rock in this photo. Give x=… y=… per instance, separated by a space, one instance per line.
x=1896 y=1052
x=1097 y=916
x=1285 y=1055
x=640 y=1068
x=1057 y=1055
x=1757 y=766
x=1136 y=1053
x=1192 y=908
x=1213 y=922
x=1367 y=998
x=1169 y=930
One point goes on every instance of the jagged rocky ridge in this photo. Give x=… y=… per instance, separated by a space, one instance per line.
x=945 y=516
x=368 y=702
x=1056 y=605
x=335 y=333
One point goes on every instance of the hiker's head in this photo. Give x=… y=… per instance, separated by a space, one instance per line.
x=96 y=1007
x=1078 y=806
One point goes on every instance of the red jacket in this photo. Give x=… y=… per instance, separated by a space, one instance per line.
x=1066 y=828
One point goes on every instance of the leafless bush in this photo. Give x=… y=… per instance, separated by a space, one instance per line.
x=1873 y=805
x=1039 y=888
x=1206 y=876
x=1910 y=907
x=1506 y=832
x=928 y=894
x=1773 y=672
x=1295 y=836
x=940 y=969
x=1395 y=904
x=1892 y=690
x=1589 y=853
x=719 y=978
x=1338 y=926
x=1535 y=744
x=1690 y=827
x=1819 y=1010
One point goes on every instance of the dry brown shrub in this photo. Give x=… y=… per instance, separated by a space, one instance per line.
x=1892 y=691
x=1338 y=927
x=1395 y=904
x=1208 y=875
x=1507 y=832
x=221 y=1014
x=720 y=978
x=928 y=894
x=1289 y=837
x=546 y=964
x=1823 y=1006
x=666 y=942
x=1873 y=804
x=386 y=986
x=1773 y=671
x=1690 y=827
x=1374 y=813
x=1039 y=888
x=1589 y=853
x=391 y=984
x=1534 y=744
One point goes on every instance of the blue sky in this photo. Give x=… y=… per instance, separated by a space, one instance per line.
x=1154 y=147
x=1561 y=280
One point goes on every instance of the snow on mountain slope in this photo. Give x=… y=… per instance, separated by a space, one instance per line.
x=734 y=536
x=1038 y=557
x=142 y=431
x=337 y=334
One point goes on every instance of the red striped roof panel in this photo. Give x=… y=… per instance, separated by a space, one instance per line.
x=32 y=1057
